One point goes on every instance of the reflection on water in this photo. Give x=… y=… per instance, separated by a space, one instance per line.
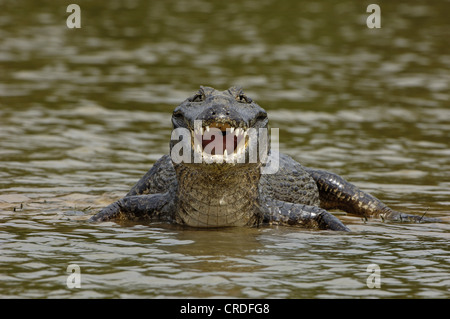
x=84 y=113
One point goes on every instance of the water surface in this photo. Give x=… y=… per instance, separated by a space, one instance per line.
x=84 y=113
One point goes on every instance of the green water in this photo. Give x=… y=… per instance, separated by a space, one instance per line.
x=84 y=113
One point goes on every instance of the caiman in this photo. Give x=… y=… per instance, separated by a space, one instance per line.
x=203 y=185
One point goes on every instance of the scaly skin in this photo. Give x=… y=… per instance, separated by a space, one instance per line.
x=234 y=194
x=337 y=193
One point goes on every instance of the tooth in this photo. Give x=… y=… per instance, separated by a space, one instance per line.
x=238 y=131
x=241 y=146
x=207 y=128
x=231 y=129
x=225 y=153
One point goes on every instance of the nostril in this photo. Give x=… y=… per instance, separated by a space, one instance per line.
x=213 y=113
x=228 y=113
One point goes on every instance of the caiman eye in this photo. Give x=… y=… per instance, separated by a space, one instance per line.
x=244 y=98
x=198 y=97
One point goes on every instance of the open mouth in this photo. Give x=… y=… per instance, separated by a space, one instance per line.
x=220 y=141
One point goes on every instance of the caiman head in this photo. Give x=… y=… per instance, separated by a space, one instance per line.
x=223 y=128
x=212 y=149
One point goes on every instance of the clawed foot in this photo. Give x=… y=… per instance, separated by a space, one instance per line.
x=328 y=221
x=110 y=212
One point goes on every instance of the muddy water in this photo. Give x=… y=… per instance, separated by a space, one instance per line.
x=84 y=113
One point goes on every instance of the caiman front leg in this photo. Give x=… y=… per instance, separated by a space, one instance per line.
x=336 y=193
x=277 y=212
x=137 y=208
